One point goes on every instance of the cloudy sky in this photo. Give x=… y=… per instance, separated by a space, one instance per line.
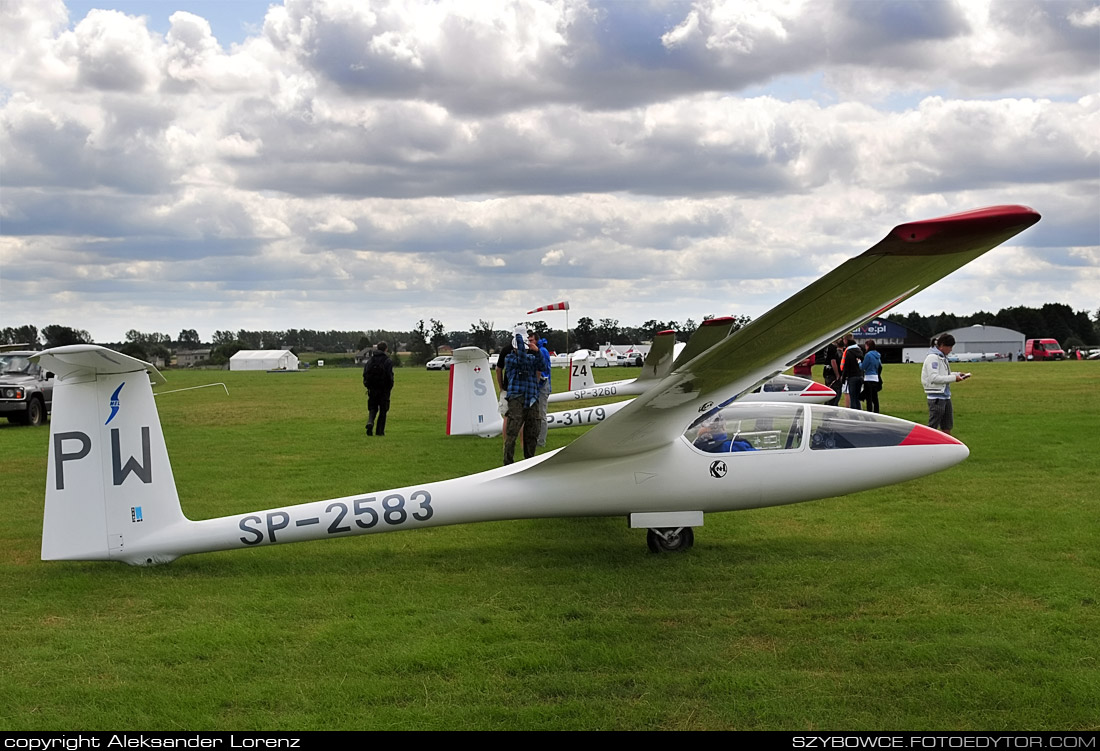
x=339 y=164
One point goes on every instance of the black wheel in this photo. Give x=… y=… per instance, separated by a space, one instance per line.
x=670 y=540
x=36 y=412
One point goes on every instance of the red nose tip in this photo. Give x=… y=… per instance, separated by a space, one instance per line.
x=818 y=389
x=921 y=435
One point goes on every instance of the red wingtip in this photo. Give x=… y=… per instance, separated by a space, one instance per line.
x=921 y=435
x=989 y=219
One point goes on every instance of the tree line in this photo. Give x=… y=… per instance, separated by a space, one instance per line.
x=1054 y=320
x=424 y=341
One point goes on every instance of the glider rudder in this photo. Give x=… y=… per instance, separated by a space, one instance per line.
x=472 y=402
x=109 y=484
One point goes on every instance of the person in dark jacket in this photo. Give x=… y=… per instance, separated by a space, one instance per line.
x=378 y=380
x=849 y=369
x=831 y=372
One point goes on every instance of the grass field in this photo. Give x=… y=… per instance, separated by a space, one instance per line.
x=965 y=600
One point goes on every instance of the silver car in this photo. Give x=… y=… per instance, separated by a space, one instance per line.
x=26 y=391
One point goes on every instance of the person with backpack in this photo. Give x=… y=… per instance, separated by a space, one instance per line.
x=378 y=380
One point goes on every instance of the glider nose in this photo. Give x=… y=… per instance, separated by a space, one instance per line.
x=921 y=435
x=939 y=450
x=818 y=389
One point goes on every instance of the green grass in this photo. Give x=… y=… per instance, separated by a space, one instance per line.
x=964 y=600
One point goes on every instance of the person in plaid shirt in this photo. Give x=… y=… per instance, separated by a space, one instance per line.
x=522 y=369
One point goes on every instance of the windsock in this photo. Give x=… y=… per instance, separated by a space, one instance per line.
x=564 y=305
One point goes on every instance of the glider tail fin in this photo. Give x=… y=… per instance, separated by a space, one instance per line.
x=710 y=332
x=580 y=371
x=658 y=363
x=109 y=485
x=472 y=402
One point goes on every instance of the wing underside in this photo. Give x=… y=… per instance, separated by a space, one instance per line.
x=911 y=257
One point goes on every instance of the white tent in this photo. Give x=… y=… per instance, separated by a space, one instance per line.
x=264 y=359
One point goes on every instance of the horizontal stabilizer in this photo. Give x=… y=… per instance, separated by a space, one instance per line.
x=74 y=361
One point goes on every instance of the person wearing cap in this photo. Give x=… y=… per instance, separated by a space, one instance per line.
x=522 y=370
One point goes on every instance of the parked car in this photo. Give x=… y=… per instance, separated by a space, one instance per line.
x=26 y=391
x=1043 y=349
x=443 y=362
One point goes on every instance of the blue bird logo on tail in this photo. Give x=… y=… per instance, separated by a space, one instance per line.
x=115 y=403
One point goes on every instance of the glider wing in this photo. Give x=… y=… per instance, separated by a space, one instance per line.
x=911 y=257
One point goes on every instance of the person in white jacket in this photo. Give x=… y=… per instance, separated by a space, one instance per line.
x=936 y=377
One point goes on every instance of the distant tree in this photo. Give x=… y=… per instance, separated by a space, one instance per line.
x=59 y=336
x=189 y=338
x=134 y=349
x=607 y=330
x=944 y=322
x=223 y=337
x=482 y=335
x=249 y=339
x=420 y=347
x=27 y=335
x=458 y=339
x=689 y=328
x=439 y=338
x=222 y=352
x=585 y=333
x=740 y=322
x=1059 y=320
x=153 y=344
x=1082 y=327
x=540 y=329
x=155 y=337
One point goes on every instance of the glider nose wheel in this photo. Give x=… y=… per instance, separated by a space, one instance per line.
x=670 y=539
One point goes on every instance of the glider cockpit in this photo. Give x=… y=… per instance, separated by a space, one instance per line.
x=744 y=427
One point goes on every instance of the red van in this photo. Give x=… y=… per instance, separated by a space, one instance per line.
x=1043 y=349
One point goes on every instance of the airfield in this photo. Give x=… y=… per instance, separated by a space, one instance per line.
x=965 y=600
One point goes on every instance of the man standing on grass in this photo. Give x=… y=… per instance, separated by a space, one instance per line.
x=522 y=370
x=936 y=377
x=378 y=379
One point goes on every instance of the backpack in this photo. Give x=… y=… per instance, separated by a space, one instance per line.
x=375 y=375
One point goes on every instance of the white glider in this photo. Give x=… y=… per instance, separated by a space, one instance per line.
x=673 y=454
x=472 y=400
x=658 y=364
x=665 y=356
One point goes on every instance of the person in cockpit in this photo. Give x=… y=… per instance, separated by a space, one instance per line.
x=714 y=439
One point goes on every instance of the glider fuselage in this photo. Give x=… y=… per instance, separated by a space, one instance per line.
x=678 y=477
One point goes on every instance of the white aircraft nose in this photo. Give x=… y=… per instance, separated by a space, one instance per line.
x=949 y=451
x=922 y=435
